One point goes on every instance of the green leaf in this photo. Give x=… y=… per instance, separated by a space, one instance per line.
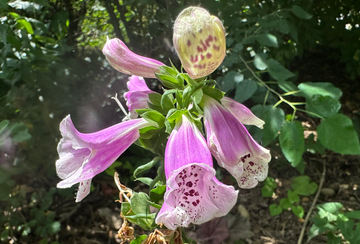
x=168 y=81
x=353 y=214
x=19 y=132
x=277 y=71
x=3 y=125
x=25 y=24
x=155 y=98
x=314 y=146
x=197 y=96
x=293 y=197
x=213 y=92
x=310 y=89
x=324 y=106
x=268 y=188
x=138 y=211
x=174 y=114
x=338 y=134
x=275 y=209
x=273 y=118
x=154 y=117
x=331 y=207
x=146 y=180
x=300 y=12
x=167 y=100
x=157 y=193
x=267 y=191
x=347 y=230
x=268 y=40
x=285 y=203
x=138 y=239
x=298 y=211
x=230 y=80
x=302 y=185
x=260 y=62
x=244 y=90
x=146 y=166
x=292 y=142
x=332 y=239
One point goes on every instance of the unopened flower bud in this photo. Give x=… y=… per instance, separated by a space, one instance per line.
x=199 y=40
x=124 y=60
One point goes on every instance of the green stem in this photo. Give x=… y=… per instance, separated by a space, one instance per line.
x=308 y=112
x=282 y=99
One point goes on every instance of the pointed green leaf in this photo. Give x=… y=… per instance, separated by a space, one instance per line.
x=338 y=134
x=244 y=90
x=292 y=142
x=277 y=71
x=300 y=12
x=146 y=166
x=324 y=106
x=275 y=209
x=273 y=118
x=310 y=89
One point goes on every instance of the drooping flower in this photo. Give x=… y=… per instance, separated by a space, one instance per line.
x=138 y=95
x=193 y=194
x=199 y=40
x=232 y=145
x=241 y=112
x=82 y=156
x=124 y=60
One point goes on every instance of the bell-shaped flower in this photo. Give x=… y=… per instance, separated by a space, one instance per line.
x=138 y=95
x=241 y=112
x=199 y=40
x=193 y=194
x=232 y=145
x=124 y=60
x=82 y=156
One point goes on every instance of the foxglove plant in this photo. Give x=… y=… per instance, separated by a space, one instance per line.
x=193 y=194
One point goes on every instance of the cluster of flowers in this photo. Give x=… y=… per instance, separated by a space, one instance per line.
x=193 y=194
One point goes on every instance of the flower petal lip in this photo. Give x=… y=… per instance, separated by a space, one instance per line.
x=82 y=156
x=138 y=95
x=124 y=60
x=241 y=112
x=199 y=40
x=232 y=145
x=193 y=193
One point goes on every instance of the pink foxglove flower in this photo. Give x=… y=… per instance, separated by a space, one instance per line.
x=241 y=112
x=124 y=60
x=82 y=156
x=193 y=193
x=199 y=40
x=232 y=145
x=138 y=95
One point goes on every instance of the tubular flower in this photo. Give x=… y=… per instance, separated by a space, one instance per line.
x=193 y=193
x=82 y=156
x=241 y=112
x=138 y=95
x=232 y=145
x=124 y=60
x=199 y=40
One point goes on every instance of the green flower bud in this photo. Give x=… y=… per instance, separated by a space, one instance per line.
x=199 y=40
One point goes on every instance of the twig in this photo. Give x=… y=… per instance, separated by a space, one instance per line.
x=313 y=204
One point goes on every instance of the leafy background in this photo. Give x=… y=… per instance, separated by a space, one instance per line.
x=294 y=63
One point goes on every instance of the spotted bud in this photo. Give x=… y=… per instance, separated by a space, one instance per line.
x=199 y=40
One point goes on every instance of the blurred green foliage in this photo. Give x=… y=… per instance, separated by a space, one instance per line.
x=51 y=65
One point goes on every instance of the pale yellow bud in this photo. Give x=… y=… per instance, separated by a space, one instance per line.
x=199 y=40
